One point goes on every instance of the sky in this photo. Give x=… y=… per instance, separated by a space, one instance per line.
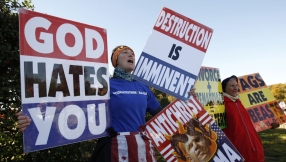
x=248 y=36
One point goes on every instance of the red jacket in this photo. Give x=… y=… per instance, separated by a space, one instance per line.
x=241 y=132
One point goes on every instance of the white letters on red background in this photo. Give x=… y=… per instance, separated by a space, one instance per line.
x=184 y=29
x=47 y=37
x=47 y=46
x=62 y=43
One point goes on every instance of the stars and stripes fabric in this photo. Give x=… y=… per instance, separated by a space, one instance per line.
x=131 y=147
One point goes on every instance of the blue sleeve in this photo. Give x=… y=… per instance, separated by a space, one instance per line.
x=152 y=103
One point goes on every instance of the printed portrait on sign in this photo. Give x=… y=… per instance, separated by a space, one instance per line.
x=193 y=142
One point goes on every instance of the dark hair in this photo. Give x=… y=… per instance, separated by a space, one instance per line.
x=203 y=136
x=226 y=80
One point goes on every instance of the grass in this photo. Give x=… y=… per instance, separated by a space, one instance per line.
x=274 y=143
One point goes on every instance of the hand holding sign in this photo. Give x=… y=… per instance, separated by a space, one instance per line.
x=23 y=121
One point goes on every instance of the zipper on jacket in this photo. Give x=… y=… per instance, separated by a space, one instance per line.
x=244 y=125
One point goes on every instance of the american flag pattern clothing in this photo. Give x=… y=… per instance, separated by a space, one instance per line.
x=131 y=147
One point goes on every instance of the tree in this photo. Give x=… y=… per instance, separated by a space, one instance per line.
x=163 y=98
x=279 y=91
x=10 y=142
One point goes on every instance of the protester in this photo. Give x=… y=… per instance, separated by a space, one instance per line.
x=240 y=129
x=128 y=104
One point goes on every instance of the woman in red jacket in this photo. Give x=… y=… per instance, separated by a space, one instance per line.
x=240 y=129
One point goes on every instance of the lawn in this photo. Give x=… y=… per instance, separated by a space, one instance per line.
x=274 y=143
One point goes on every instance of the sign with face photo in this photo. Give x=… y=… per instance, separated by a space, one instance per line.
x=184 y=131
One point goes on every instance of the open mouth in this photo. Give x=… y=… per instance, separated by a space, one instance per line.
x=130 y=61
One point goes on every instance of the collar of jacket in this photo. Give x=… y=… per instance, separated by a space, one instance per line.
x=226 y=99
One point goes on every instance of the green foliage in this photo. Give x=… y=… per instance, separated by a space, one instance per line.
x=10 y=140
x=163 y=98
x=279 y=91
x=73 y=152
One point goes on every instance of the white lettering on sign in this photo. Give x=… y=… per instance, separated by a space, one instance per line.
x=67 y=132
x=44 y=125
x=94 y=128
x=163 y=76
x=231 y=155
x=178 y=111
x=183 y=29
x=47 y=46
x=30 y=35
x=60 y=36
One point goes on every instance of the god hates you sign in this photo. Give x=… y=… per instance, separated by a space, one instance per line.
x=184 y=131
x=173 y=54
x=64 y=80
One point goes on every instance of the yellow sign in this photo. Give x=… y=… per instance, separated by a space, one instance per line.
x=256 y=97
x=259 y=102
x=209 y=93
